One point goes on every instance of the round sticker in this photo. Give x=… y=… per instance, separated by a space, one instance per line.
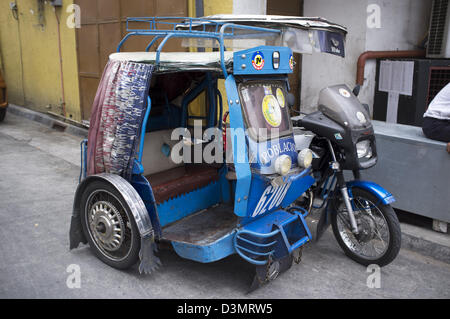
x=291 y=62
x=258 y=60
x=344 y=92
x=280 y=97
x=271 y=110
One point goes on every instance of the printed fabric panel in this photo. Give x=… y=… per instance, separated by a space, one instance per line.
x=117 y=114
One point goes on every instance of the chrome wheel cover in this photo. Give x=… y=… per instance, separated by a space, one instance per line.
x=108 y=225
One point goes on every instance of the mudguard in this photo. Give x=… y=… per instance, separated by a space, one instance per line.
x=379 y=192
x=149 y=261
x=383 y=195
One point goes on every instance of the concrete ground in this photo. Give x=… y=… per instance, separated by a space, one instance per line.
x=39 y=170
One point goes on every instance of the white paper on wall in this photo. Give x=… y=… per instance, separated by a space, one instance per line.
x=396 y=76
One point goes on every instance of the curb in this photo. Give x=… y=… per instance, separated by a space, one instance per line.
x=426 y=242
x=48 y=120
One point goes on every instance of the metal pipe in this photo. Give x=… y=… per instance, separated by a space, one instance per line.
x=383 y=54
x=60 y=64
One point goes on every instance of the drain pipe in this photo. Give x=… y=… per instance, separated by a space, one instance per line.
x=380 y=55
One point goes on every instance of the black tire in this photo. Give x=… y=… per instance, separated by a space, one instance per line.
x=393 y=226
x=131 y=234
x=2 y=114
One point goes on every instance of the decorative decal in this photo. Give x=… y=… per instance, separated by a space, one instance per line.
x=271 y=110
x=258 y=60
x=338 y=136
x=272 y=197
x=344 y=92
x=280 y=97
x=291 y=62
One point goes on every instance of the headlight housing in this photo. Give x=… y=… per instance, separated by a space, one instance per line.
x=305 y=157
x=363 y=149
x=283 y=164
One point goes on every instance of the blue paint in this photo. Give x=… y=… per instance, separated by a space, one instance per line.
x=267 y=196
x=165 y=149
x=219 y=34
x=277 y=235
x=265 y=153
x=186 y=204
x=239 y=145
x=181 y=206
x=383 y=195
x=144 y=190
x=245 y=61
x=144 y=125
x=220 y=249
x=210 y=86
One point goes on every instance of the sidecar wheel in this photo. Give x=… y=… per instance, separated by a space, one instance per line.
x=379 y=240
x=109 y=225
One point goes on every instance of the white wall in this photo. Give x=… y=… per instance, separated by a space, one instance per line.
x=249 y=6
x=321 y=70
x=404 y=23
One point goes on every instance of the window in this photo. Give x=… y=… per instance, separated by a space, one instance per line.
x=265 y=109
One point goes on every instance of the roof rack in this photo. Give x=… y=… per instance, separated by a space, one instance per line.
x=169 y=27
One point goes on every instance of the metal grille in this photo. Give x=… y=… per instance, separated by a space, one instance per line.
x=437 y=26
x=439 y=77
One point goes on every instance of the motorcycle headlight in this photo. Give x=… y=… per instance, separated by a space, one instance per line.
x=283 y=164
x=363 y=149
x=305 y=158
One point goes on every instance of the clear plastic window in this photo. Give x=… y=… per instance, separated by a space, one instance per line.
x=265 y=108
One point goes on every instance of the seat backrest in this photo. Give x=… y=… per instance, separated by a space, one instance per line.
x=154 y=159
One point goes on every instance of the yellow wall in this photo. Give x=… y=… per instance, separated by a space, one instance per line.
x=30 y=57
x=210 y=7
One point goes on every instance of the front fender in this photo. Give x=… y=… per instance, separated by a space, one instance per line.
x=383 y=195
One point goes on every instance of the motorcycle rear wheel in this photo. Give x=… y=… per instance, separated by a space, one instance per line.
x=378 y=227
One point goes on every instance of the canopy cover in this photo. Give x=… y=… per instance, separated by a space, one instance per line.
x=301 y=34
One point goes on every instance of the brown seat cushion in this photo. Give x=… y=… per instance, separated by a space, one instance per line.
x=181 y=180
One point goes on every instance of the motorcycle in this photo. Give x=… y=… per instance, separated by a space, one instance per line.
x=363 y=221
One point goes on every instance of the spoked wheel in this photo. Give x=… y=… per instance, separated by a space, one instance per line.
x=109 y=226
x=379 y=238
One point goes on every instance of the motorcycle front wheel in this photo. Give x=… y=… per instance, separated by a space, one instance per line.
x=379 y=237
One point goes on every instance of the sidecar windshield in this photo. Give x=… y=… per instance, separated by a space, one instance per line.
x=265 y=108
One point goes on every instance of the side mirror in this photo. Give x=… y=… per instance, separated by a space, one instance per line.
x=290 y=100
x=356 y=89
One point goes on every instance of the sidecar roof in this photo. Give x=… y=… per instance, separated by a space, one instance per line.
x=274 y=21
x=179 y=61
